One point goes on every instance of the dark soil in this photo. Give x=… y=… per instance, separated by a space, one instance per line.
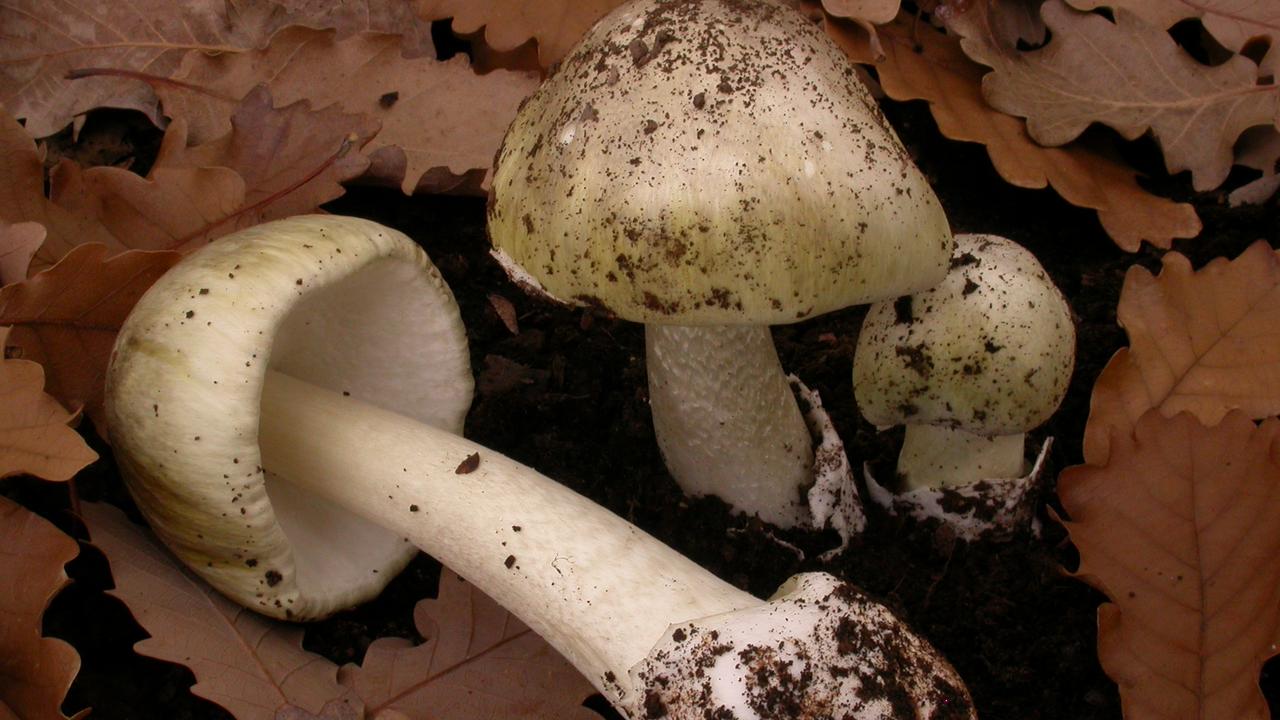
x=567 y=395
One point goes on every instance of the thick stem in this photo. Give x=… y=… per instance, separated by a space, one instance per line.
x=726 y=419
x=936 y=456
x=600 y=590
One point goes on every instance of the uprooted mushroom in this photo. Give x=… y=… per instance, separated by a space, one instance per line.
x=709 y=168
x=285 y=406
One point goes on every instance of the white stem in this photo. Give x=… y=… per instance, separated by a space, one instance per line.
x=599 y=589
x=726 y=420
x=935 y=456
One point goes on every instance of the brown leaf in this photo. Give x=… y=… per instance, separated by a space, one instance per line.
x=426 y=107
x=18 y=244
x=1259 y=148
x=291 y=159
x=940 y=73
x=35 y=671
x=34 y=435
x=478 y=662
x=506 y=312
x=43 y=41
x=556 y=25
x=1233 y=23
x=1181 y=529
x=874 y=11
x=1202 y=342
x=1132 y=77
x=351 y=17
x=22 y=197
x=67 y=317
x=252 y=666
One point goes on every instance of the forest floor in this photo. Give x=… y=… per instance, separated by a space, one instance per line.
x=567 y=395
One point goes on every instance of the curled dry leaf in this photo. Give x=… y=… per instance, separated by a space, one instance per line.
x=427 y=108
x=35 y=671
x=1133 y=77
x=252 y=666
x=18 y=244
x=67 y=317
x=1233 y=23
x=556 y=25
x=1181 y=528
x=872 y=11
x=478 y=661
x=34 y=435
x=921 y=63
x=44 y=41
x=1201 y=341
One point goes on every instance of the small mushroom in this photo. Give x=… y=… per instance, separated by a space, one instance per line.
x=709 y=168
x=968 y=367
x=285 y=406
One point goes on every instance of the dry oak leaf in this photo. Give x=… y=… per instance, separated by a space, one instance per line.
x=291 y=159
x=478 y=662
x=1259 y=148
x=940 y=73
x=35 y=438
x=556 y=25
x=434 y=114
x=35 y=671
x=66 y=318
x=1181 y=530
x=22 y=195
x=1199 y=341
x=1233 y=23
x=41 y=41
x=250 y=665
x=1133 y=77
x=350 y=17
x=18 y=244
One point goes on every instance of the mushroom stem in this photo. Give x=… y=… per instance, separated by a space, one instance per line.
x=936 y=456
x=726 y=419
x=596 y=587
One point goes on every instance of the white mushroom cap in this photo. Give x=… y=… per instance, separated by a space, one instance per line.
x=341 y=303
x=702 y=162
x=820 y=648
x=989 y=350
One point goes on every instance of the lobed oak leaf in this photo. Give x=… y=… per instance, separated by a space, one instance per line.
x=1180 y=528
x=1201 y=341
x=427 y=107
x=66 y=318
x=252 y=666
x=35 y=671
x=1233 y=23
x=35 y=437
x=42 y=42
x=291 y=159
x=22 y=197
x=921 y=63
x=1133 y=77
x=556 y=25
x=18 y=244
x=351 y=17
x=1259 y=148
x=478 y=661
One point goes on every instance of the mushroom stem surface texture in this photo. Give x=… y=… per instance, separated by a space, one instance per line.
x=596 y=587
x=726 y=419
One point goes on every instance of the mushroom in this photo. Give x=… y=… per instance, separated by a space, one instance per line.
x=284 y=406
x=969 y=367
x=709 y=168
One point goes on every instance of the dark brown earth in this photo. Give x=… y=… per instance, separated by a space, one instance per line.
x=567 y=396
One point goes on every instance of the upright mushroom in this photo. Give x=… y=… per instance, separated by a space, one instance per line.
x=969 y=366
x=283 y=406
x=710 y=167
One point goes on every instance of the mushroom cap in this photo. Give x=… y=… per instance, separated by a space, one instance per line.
x=340 y=302
x=820 y=648
x=989 y=350
x=712 y=162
